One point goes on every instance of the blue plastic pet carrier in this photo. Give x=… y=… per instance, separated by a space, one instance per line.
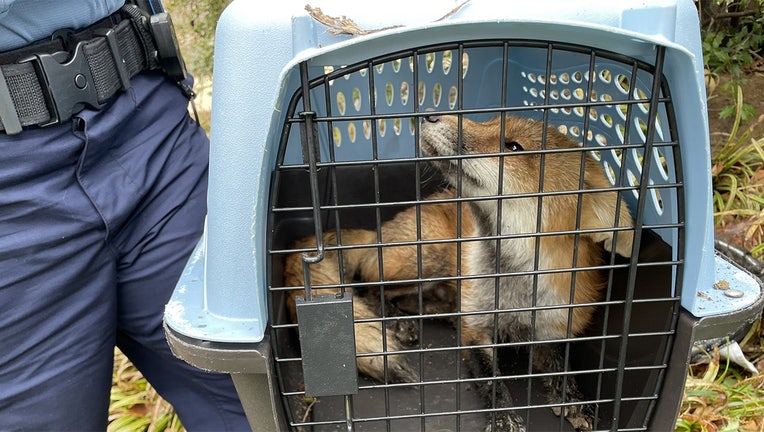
x=317 y=118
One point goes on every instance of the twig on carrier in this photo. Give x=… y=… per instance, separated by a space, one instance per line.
x=344 y=25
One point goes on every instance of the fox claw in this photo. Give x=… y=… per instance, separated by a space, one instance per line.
x=580 y=417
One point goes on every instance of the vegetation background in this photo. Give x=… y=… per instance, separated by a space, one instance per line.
x=718 y=396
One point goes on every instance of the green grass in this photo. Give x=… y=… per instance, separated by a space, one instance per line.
x=135 y=405
x=738 y=177
x=719 y=396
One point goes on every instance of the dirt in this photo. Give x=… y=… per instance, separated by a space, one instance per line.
x=718 y=98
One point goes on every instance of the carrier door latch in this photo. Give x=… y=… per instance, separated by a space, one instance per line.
x=327 y=342
x=325 y=321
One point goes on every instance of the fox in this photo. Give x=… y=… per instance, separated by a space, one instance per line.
x=524 y=207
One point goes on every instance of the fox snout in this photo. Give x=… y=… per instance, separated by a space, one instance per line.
x=439 y=136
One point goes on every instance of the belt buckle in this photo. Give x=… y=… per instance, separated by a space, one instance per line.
x=69 y=84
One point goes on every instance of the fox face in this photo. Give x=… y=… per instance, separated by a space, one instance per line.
x=522 y=158
x=525 y=151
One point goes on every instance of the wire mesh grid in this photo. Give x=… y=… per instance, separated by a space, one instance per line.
x=507 y=215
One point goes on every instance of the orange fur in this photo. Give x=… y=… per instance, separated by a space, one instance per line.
x=517 y=177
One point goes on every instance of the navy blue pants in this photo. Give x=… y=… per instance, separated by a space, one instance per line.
x=97 y=218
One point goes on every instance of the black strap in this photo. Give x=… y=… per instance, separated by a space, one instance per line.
x=49 y=82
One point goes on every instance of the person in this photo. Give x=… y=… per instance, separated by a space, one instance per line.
x=102 y=198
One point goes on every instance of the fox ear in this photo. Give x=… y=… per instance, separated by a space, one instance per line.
x=601 y=213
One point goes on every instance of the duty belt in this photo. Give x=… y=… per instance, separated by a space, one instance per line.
x=46 y=83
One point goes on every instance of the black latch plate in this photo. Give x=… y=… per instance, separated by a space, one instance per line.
x=327 y=342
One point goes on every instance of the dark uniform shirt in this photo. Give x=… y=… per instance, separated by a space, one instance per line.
x=25 y=21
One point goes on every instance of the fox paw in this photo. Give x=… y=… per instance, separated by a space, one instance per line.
x=407 y=331
x=579 y=416
x=506 y=422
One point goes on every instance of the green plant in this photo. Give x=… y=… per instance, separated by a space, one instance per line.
x=720 y=397
x=738 y=178
x=733 y=35
x=733 y=44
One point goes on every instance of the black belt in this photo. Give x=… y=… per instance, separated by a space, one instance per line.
x=47 y=83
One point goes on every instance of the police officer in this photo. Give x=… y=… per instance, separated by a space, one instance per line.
x=102 y=198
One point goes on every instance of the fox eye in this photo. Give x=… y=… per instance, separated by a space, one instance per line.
x=513 y=146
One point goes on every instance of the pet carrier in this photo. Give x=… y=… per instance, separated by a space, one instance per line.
x=446 y=216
